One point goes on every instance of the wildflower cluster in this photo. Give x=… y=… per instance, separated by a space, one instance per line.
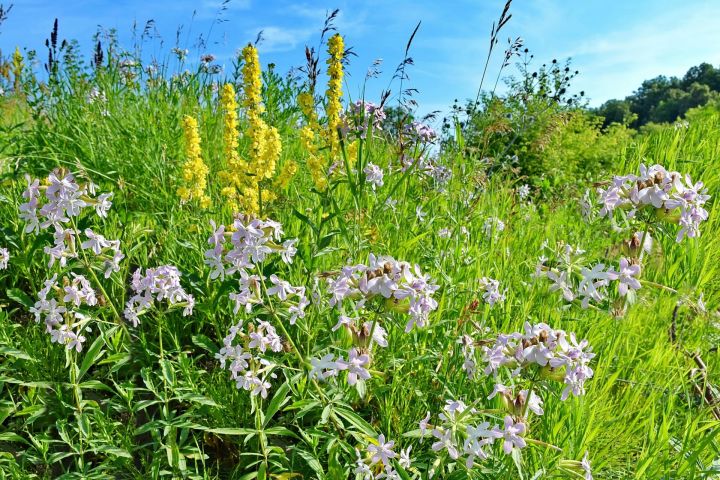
x=402 y=288
x=194 y=170
x=461 y=431
x=244 y=178
x=492 y=227
x=377 y=461
x=491 y=294
x=374 y=175
x=59 y=307
x=241 y=251
x=361 y=117
x=576 y=281
x=308 y=138
x=661 y=191
x=58 y=204
x=265 y=145
x=523 y=192
x=421 y=132
x=157 y=284
x=539 y=352
x=232 y=177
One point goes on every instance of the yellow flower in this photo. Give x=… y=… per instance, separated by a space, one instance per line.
x=244 y=178
x=286 y=174
x=194 y=170
x=333 y=107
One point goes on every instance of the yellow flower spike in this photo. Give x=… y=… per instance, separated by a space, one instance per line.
x=286 y=175
x=194 y=170
x=333 y=107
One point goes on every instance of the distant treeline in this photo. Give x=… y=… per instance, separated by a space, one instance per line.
x=664 y=99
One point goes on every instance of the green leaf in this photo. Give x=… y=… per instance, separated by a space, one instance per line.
x=231 y=431
x=204 y=342
x=114 y=451
x=95 y=385
x=357 y=421
x=20 y=297
x=91 y=356
x=280 y=431
x=312 y=462
x=12 y=437
x=168 y=371
x=279 y=399
x=12 y=352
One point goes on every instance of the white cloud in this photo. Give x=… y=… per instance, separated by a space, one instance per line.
x=279 y=39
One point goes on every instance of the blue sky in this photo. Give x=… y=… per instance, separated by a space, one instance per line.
x=615 y=44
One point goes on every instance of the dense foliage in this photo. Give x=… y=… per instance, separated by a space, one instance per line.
x=237 y=276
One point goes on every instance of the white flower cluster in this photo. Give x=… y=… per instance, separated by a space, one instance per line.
x=523 y=191
x=57 y=307
x=492 y=227
x=4 y=258
x=460 y=432
x=403 y=287
x=245 y=360
x=590 y=284
x=157 y=284
x=559 y=355
x=675 y=200
x=329 y=366
x=58 y=204
x=64 y=201
x=377 y=461
x=241 y=251
x=492 y=294
x=250 y=243
x=374 y=175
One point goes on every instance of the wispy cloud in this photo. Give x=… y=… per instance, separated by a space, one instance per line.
x=279 y=39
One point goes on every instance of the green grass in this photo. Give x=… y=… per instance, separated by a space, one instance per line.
x=152 y=402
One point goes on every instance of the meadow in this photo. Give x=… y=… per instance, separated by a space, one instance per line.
x=242 y=274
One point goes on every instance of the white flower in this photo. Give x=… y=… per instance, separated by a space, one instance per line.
x=4 y=258
x=511 y=435
x=281 y=288
x=323 y=368
x=355 y=365
x=382 y=452
x=374 y=175
x=561 y=283
x=445 y=442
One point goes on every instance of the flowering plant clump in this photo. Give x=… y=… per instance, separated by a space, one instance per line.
x=383 y=285
x=374 y=175
x=361 y=117
x=520 y=363
x=333 y=105
x=539 y=353
x=671 y=196
x=58 y=204
x=463 y=432
x=400 y=286
x=378 y=460
x=157 y=284
x=492 y=227
x=591 y=284
x=241 y=251
x=421 y=132
x=492 y=294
